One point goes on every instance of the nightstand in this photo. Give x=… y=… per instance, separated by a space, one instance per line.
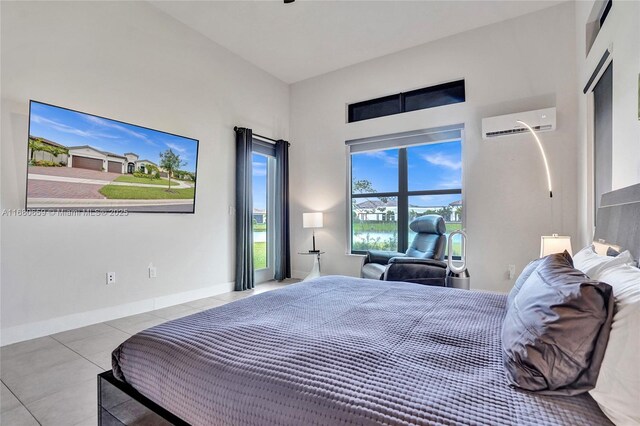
x=315 y=271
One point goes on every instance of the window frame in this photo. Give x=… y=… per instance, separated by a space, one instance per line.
x=402 y=194
x=400 y=98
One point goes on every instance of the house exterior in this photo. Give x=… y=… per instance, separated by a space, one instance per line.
x=377 y=210
x=88 y=157
x=132 y=159
x=259 y=216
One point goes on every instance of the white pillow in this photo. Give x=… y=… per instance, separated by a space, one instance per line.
x=592 y=264
x=617 y=390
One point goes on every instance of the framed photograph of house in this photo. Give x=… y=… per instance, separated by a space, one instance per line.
x=78 y=161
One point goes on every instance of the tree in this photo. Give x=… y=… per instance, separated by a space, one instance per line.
x=458 y=213
x=445 y=212
x=152 y=171
x=362 y=186
x=170 y=162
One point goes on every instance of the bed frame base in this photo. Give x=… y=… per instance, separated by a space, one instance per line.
x=120 y=404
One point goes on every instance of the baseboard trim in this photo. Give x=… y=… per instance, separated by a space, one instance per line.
x=37 y=329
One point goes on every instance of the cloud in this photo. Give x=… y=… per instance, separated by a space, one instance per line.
x=110 y=124
x=450 y=184
x=443 y=160
x=67 y=129
x=259 y=169
x=426 y=198
x=388 y=160
x=175 y=147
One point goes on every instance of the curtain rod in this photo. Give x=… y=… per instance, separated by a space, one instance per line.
x=236 y=128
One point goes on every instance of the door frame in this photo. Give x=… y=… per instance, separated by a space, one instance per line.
x=267 y=274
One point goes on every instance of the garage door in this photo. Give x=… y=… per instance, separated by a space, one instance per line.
x=115 y=167
x=86 y=163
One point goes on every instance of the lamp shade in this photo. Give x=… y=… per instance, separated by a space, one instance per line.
x=312 y=220
x=554 y=244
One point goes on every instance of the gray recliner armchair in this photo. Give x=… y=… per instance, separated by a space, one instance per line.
x=422 y=263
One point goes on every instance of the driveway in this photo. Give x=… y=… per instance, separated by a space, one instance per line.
x=51 y=189
x=73 y=173
x=77 y=184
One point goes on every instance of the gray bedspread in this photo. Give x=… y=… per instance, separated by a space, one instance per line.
x=336 y=351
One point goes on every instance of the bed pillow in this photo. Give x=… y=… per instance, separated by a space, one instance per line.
x=526 y=272
x=592 y=264
x=603 y=249
x=612 y=252
x=617 y=391
x=555 y=333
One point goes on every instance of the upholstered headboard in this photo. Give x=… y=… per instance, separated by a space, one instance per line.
x=618 y=219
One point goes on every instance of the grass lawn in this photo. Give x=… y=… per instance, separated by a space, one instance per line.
x=116 y=192
x=135 y=179
x=259 y=255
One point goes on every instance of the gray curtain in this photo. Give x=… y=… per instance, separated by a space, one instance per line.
x=282 y=243
x=244 y=209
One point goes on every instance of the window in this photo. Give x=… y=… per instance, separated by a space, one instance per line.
x=393 y=185
x=428 y=97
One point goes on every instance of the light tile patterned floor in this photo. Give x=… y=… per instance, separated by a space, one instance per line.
x=52 y=380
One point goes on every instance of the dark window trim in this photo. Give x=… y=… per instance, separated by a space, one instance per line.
x=401 y=100
x=402 y=203
x=605 y=12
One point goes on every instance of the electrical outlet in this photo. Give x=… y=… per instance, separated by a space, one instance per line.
x=111 y=278
x=153 y=271
x=512 y=271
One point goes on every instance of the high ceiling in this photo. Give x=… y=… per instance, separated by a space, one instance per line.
x=307 y=38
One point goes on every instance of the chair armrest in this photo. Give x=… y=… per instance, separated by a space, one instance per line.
x=418 y=261
x=419 y=271
x=381 y=257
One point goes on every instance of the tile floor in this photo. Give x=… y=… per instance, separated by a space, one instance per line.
x=52 y=380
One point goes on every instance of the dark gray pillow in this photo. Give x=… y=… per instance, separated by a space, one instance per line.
x=556 y=331
x=612 y=252
x=526 y=272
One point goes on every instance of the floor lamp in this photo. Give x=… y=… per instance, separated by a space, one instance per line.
x=544 y=156
x=554 y=243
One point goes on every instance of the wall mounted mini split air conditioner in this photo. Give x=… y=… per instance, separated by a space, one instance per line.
x=504 y=125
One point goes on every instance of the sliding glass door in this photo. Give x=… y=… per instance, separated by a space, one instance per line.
x=263 y=218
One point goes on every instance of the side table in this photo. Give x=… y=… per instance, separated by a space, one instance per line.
x=315 y=271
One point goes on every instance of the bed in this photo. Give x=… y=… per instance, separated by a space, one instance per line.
x=331 y=351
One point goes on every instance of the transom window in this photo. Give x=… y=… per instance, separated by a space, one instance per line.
x=391 y=186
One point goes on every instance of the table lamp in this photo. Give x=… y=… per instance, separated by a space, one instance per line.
x=554 y=244
x=313 y=221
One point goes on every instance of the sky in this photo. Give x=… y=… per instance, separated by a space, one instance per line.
x=259 y=181
x=432 y=166
x=70 y=128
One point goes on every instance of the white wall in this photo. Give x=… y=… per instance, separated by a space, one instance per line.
x=130 y=62
x=621 y=32
x=517 y=65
